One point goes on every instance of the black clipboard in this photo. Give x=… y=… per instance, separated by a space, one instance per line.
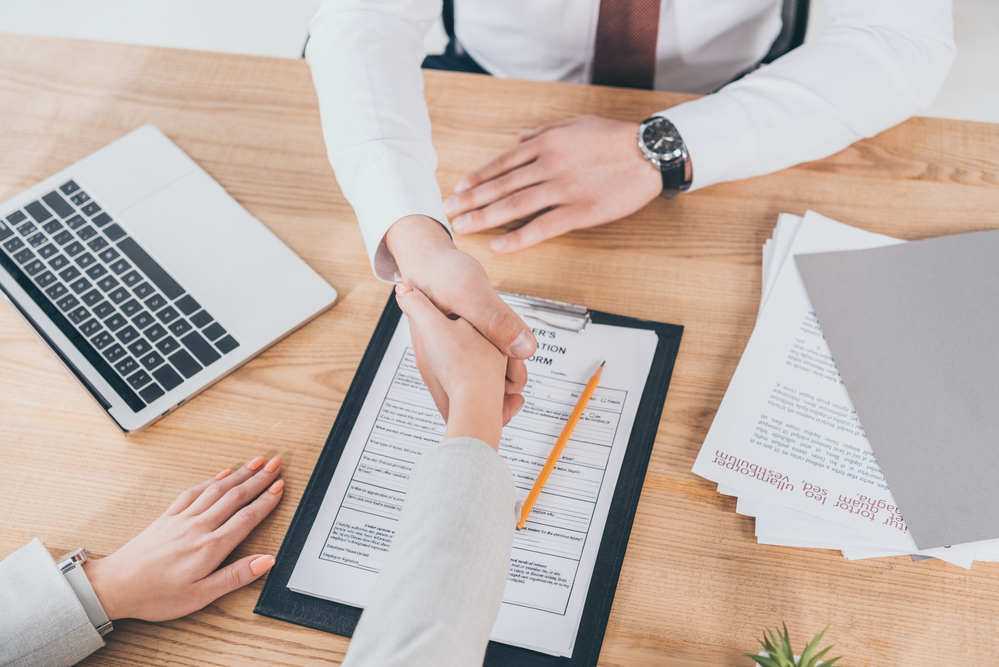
x=278 y=601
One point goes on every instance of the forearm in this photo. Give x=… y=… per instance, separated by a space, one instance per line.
x=365 y=59
x=441 y=586
x=878 y=65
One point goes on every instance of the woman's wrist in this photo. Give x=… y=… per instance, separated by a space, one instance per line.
x=102 y=579
x=475 y=414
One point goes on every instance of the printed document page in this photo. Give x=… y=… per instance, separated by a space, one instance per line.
x=786 y=431
x=553 y=557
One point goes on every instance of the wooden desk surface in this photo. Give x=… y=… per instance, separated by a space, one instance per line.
x=696 y=588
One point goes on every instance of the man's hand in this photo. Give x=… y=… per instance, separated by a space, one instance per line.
x=574 y=173
x=172 y=568
x=457 y=284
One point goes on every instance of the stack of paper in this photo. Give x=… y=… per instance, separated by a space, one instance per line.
x=786 y=440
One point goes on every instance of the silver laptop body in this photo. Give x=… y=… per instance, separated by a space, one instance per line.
x=146 y=279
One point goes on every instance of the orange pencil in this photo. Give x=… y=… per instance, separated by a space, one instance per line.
x=577 y=412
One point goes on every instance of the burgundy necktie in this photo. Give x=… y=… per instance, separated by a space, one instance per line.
x=625 y=48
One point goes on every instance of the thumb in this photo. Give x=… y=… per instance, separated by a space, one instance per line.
x=495 y=320
x=418 y=308
x=231 y=577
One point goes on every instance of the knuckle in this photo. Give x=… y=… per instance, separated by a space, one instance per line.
x=516 y=201
x=469 y=199
x=232 y=579
x=187 y=497
x=549 y=226
x=246 y=517
x=236 y=494
x=476 y=218
x=500 y=320
x=217 y=489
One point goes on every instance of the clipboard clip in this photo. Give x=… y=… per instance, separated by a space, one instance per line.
x=554 y=314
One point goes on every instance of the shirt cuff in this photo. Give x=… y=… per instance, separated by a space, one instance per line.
x=388 y=189
x=720 y=138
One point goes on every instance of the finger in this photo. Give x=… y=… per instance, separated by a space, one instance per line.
x=512 y=404
x=241 y=495
x=527 y=135
x=516 y=376
x=515 y=206
x=234 y=576
x=457 y=206
x=420 y=310
x=185 y=499
x=493 y=318
x=434 y=386
x=239 y=525
x=547 y=225
x=222 y=483
x=513 y=158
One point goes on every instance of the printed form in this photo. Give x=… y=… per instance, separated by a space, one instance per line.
x=786 y=438
x=552 y=559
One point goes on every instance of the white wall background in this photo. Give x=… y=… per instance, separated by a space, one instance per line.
x=279 y=28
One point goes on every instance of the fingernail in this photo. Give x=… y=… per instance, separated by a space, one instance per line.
x=260 y=565
x=225 y=473
x=273 y=464
x=276 y=487
x=517 y=411
x=402 y=288
x=498 y=243
x=256 y=463
x=461 y=186
x=461 y=221
x=524 y=345
x=450 y=205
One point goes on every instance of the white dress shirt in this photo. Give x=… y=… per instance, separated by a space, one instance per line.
x=881 y=62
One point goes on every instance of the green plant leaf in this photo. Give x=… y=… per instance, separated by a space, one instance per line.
x=777 y=646
x=818 y=656
x=806 y=655
x=763 y=662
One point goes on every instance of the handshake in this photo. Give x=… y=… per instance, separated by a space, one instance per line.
x=470 y=346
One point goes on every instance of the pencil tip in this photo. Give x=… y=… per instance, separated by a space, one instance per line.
x=602 y=363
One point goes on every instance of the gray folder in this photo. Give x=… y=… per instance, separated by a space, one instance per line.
x=914 y=330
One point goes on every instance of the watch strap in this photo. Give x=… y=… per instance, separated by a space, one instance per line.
x=72 y=568
x=673 y=178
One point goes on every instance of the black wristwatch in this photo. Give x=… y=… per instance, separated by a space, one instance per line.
x=661 y=145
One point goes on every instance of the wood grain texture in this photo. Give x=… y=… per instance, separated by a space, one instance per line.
x=695 y=589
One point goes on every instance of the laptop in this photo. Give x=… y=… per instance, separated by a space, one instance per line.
x=146 y=279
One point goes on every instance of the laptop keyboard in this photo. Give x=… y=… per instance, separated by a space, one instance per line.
x=136 y=325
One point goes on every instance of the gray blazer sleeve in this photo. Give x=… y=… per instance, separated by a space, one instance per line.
x=42 y=623
x=438 y=594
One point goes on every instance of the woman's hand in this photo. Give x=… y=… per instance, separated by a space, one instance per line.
x=170 y=569
x=480 y=386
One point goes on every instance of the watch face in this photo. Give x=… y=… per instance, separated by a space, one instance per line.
x=659 y=138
